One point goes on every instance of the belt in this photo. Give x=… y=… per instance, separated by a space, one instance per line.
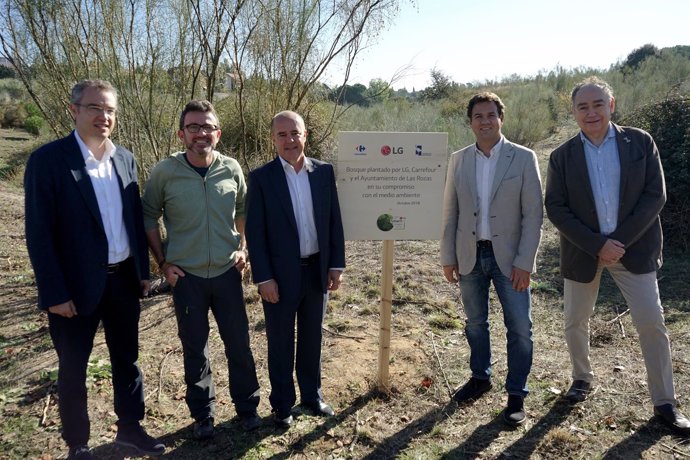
x=116 y=267
x=312 y=259
x=484 y=244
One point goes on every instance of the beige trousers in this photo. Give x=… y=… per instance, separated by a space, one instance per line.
x=641 y=293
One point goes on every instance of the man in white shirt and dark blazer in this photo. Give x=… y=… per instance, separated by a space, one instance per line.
x=297 y=254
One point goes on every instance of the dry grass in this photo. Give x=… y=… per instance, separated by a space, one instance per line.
x=410 y=421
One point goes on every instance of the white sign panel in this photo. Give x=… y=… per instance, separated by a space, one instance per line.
x=390 y=185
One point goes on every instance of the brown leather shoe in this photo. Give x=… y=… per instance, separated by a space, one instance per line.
x=672 y=417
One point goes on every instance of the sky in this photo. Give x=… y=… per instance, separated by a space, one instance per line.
x=472 y=41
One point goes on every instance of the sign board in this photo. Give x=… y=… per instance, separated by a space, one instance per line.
x=390 y=185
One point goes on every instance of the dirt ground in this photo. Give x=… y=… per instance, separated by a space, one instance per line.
x=429 y=358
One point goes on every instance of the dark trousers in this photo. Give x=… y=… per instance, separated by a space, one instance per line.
x=308 y=308
x=73 y=339
x=193 y=296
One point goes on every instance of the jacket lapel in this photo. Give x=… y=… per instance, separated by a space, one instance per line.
x=504 y=161
x=469 y=173
x=623 y=144
x=317 y=195
x=75 y=162
x=282 y=192
x=580 y=166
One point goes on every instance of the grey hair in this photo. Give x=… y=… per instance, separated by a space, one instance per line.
x=593 y=81
x=79 y=88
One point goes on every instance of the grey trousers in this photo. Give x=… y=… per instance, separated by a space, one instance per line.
x=641 y=293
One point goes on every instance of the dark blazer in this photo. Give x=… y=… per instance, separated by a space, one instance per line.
x=569 y=202
x=271 y=229
x=65 y=237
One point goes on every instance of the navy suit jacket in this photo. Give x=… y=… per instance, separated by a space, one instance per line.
x=65 y=236
x=569 y=202
x=271 y=228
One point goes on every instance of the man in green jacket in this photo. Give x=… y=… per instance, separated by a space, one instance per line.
x=200 y=195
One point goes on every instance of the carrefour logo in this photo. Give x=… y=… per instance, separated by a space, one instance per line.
x=360 y=150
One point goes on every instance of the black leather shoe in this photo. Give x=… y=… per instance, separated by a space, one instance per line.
x=250 y=420
x=578 y=391
x=282 y=419
x=472 y=390
x=79 y=453
x=319 y=408
x=514 y=414
x=203 y=429
x=134 y=436
x=672 y=418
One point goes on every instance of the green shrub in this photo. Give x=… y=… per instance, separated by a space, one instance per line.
x=33 y=124
x=32 y=109
x=669 y=123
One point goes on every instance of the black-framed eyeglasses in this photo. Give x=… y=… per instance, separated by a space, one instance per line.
x=194 y=128
x=95 y=110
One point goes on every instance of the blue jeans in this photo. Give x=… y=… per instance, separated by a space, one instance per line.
x=517 y=317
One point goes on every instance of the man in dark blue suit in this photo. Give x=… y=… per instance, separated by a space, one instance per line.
x=297 y=252
x=86 y=242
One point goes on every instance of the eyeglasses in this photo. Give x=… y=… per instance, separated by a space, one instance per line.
x=95 y=110
x=194 y=128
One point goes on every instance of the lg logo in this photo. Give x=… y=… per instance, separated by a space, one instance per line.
x=387 y=150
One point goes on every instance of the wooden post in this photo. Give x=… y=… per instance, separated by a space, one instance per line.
x=385 y=314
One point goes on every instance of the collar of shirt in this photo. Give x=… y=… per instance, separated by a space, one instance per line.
x=495 y=150
x=609 y=135
x=308 y=166
x=88 y=155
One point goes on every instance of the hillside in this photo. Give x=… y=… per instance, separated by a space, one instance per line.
x=410 y=421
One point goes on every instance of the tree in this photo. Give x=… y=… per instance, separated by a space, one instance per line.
x=281 y=49
x=638 y=55
x=440 y=88
x=161 y=53
x=379 y=91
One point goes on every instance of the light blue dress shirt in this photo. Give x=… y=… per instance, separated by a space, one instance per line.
x=603 y=165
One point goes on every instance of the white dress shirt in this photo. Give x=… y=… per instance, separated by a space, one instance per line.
x=105 y=185
x=486 y=170
x=302 y=206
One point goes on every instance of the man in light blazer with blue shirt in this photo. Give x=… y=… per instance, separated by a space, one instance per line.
x=492 y=219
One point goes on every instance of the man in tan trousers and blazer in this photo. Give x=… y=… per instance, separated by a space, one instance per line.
x=604 y=193
x=492 y=217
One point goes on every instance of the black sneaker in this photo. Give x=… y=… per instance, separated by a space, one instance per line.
x=79 y=453
x=203 y=429
x=250 y=420
x=472 y=390
x=514 y=414
x=134 y=436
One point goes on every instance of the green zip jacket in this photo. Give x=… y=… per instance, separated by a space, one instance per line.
x=198 y=212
